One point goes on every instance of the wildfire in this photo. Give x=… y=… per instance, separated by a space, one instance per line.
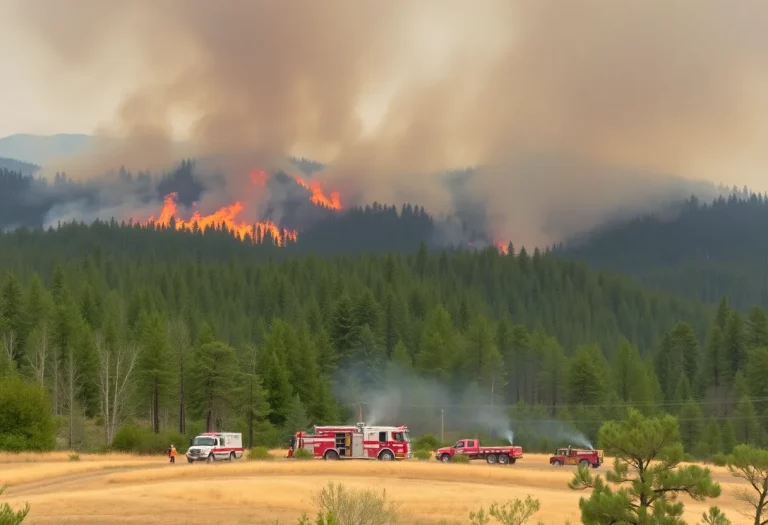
x=502 y=247
x=225 y=216
x=318 y=196
x=258 y=177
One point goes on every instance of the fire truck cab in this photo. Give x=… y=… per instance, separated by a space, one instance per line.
x=355 y=442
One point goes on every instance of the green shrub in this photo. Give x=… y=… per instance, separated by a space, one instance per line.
x=302 y=453
x=426 y=442
x=720 y=460
x=132 y=438
x=701 y=450
x=460 y=458
x=26 y=423
x=422 y=454
x=260 y=454
x=352 y=507
x=74 y=457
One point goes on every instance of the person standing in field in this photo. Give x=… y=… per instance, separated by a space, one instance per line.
x=172 y=453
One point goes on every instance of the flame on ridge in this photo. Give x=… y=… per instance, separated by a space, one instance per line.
x=318 y=197
x=225 y=216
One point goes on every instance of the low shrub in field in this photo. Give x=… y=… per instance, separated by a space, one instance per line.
x=260 y=454
x=356 y=507
x=720 y=460
x=422 y=455
x=74 y=457
x=460 y=458
x=302 y=453
x=516 y=512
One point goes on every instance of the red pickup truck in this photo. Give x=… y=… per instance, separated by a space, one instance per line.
x=472 y=449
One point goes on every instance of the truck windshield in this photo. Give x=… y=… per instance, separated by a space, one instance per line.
x=204 y=441
x=406 y=437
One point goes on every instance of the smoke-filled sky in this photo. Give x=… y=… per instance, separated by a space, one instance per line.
x=569 y=107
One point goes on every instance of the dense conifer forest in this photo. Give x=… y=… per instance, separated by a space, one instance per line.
x=703 y=250
x=129 y=327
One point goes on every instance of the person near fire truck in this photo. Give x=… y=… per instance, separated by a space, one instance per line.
x=292 y=447
x=172 y=453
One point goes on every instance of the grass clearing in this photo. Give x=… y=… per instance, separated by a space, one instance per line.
x=90 y=491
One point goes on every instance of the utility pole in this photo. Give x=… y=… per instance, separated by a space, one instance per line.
x=360 y=413
x=442 y=426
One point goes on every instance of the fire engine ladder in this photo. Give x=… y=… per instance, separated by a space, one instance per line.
x=343 y=442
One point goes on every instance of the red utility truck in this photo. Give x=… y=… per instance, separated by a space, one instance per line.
x=355 y=442
x=472 y=449
x=577 y=456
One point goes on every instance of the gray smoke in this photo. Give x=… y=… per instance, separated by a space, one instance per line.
x=568 y=110
x=401 y=397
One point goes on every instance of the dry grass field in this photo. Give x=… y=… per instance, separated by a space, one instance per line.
x=123 y=489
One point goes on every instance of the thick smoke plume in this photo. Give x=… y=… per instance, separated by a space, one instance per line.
x=566 y=110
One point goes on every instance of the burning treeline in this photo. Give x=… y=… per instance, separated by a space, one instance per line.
x=559 y=108
x=227 y=217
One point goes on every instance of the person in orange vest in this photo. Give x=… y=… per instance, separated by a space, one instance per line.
x=172 y=453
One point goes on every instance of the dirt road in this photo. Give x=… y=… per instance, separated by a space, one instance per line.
x=151 y=491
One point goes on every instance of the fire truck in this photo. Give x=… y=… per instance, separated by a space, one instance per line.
x=355 y=442
x=577 y=456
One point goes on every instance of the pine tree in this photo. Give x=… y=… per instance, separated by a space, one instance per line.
x=439 y=346
x=587 y=378
x=757 y=328
x=214 y=369
x=636 y=442
x=296 y=420
x=343 y=332
x=691 y=424
x=251 y=395
x=745 y=422
x=728 y=437
x=154 y=371
x=712 y=437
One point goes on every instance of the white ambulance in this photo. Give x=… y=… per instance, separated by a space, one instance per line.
x=216 y=446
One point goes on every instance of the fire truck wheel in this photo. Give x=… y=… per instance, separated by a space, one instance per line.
x=491 y=459
x=503 y=459
x=210 y=458
x=331 y=455
x=557 y=463
x=232 y=456
x=584 y=463
x=445 y=458
x=386 y=456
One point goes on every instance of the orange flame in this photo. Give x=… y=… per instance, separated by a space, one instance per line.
x=502 y=247
x=224 y=216
x=318 y=196
x=258 y=177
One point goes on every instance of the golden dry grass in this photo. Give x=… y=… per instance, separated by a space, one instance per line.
x=128 y=489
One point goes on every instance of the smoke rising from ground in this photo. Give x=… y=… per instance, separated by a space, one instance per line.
x=565 y=108
x=428 y=406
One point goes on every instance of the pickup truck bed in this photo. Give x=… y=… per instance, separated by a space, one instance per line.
x=472 y=449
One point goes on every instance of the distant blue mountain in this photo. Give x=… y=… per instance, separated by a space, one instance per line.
x=41 y=149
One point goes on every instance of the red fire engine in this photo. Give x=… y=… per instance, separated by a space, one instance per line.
x=355 y=442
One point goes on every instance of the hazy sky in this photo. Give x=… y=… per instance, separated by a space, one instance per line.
x=619 y=88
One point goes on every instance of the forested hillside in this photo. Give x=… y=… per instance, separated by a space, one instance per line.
x=701 y=250
x=211 y=321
